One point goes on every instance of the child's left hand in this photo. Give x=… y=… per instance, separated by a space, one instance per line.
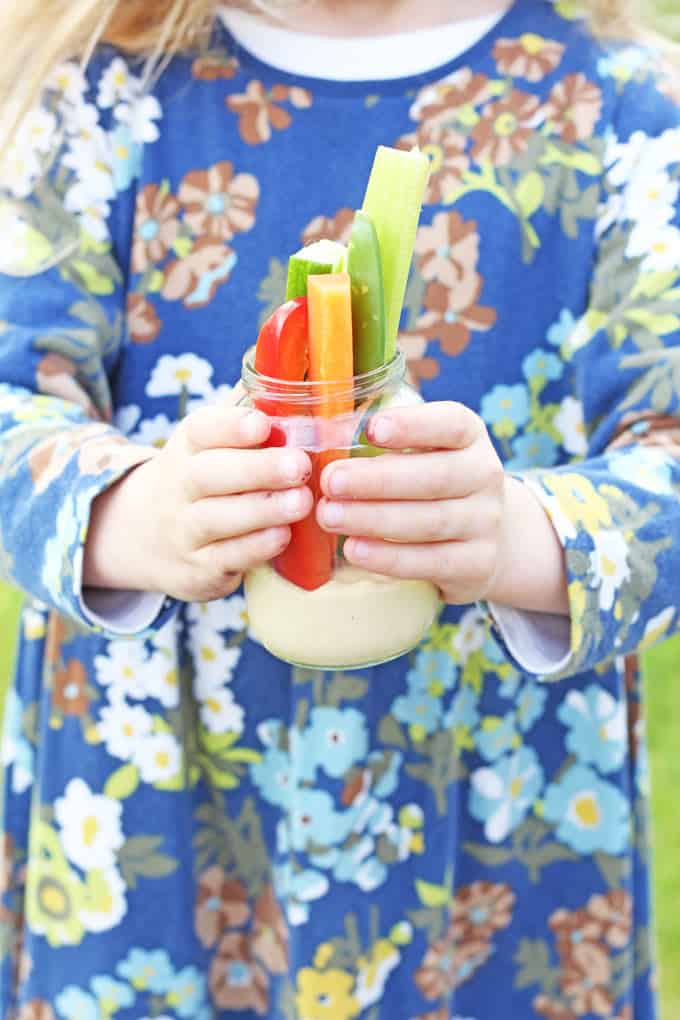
x=446 y=512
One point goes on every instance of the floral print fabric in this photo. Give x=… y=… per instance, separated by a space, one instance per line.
x=192 y=829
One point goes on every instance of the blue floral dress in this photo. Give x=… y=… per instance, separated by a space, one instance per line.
x=191 y=828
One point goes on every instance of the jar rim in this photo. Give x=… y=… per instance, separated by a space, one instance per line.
x=359 y=387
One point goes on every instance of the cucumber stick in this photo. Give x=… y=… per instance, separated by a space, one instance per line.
x=393 y=200
x=368 y=299
x=313 y=260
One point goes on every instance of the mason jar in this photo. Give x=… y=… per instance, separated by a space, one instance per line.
x=310 y=606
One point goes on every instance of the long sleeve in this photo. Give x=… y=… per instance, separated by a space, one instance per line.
x=62 y=305
x=617 y=512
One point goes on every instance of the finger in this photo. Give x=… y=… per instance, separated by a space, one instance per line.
x=443 y=425
x=217 y=518
x=220 y=425
x=468 y=564
x=223 y=472
x=237 y=555
x=436 y=475
x=404 y=521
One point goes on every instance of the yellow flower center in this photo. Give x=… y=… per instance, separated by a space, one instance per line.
x=531 y=43
x=162 y=759
x=608 y=567
x=90 y=830
x=183 y=374
x=128 y=672
x=122 y=151
x=53 y=899
x=213 y=705
x=587 y=811
x=128 y=730
x=660 y=247
x=171 y=678
x=208 y=654
x=505 y=124
x=516 y=787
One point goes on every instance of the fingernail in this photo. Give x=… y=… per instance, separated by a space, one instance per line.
x=360 y=551
x=382 y=429
x=291 y=501
x=291 y=467
x=252 y=425
x=337 y=485
x=333 y=514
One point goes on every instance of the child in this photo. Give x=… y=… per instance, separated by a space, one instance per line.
x=192 y=829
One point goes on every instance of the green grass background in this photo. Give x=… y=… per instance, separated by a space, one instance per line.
x=662 y=673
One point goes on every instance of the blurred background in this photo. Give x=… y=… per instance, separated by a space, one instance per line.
x=662 y=675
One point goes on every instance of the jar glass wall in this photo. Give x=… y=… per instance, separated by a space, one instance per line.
x=310 y=606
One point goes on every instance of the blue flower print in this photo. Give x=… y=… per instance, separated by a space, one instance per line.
x=389 y=780
x=623 y=63
x=647 y=467
x=530 y=705
x=314 y=818
x=357 y=864
x=75 y=1004
x=496 y=736
x=597 y=727
x=335 y=740
x=419 y=711
x=506 y=408
x=590 y=813
x=186 y=992
x=111 y=995
x=502 y=796
x=15 y=749
x=144 y=970
x=273 y=776
x=533 y=449
x=126 y=157
x=560 y=331
x=542 y=365
x=433 y=673
x=463 y=710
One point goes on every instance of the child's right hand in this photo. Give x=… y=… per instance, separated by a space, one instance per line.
x=207 y=507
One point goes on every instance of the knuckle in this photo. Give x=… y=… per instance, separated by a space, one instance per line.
x=440 y=480
x=484 y=560
x=437 y=522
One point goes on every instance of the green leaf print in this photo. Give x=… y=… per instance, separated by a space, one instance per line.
x=614 y=870
x=530 y=192
x=533 y=961
x=345 y=687
x=390 y=732
x=272 y=290
x=123 y=782
x=138 y=859
x=432 y=895
x=531 y=846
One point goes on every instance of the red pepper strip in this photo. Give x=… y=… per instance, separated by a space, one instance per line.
x=282 y=352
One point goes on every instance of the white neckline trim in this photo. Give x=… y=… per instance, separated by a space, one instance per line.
x=361 y=58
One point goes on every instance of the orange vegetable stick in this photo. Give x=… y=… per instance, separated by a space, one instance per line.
x=331 y=355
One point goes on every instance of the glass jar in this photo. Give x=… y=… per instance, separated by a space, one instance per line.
x=310 y=607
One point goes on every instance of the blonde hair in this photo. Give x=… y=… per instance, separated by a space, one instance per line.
x=40 y=34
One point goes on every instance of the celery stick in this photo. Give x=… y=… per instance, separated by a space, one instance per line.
x=393 y=200
x=313 y=260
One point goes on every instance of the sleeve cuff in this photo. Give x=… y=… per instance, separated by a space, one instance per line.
x=540 y=643
x=125 y=613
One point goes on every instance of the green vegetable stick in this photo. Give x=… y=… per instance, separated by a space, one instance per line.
x=393 y=199
x=368 y=298
x=313 y=260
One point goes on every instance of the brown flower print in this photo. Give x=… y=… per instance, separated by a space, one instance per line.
x=505 y=128
x=236 y=980
x=573 y=108
x=585 y=980
x=6 y=863
x=552 y=1009
x=156 y=227
x=448 y=160
x=110 y=453
x=614 y=914
x=70 y=689
x=217 y=203
x=334 y=228
x=447 y=964
x=221 y=903
x=57 y=377
x=36 y=1009
x=419 y=367
x=213 y=66
x=258 y=110
x=481 y=909
x=448 y=250
x=211 y=259
x=440 y=107
x=143 y=322
x=450 y=316
x=669 y=82
x=48 y=459
x=270 y=937
x=573 y=927
x=648 y=429
x=531 y=56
